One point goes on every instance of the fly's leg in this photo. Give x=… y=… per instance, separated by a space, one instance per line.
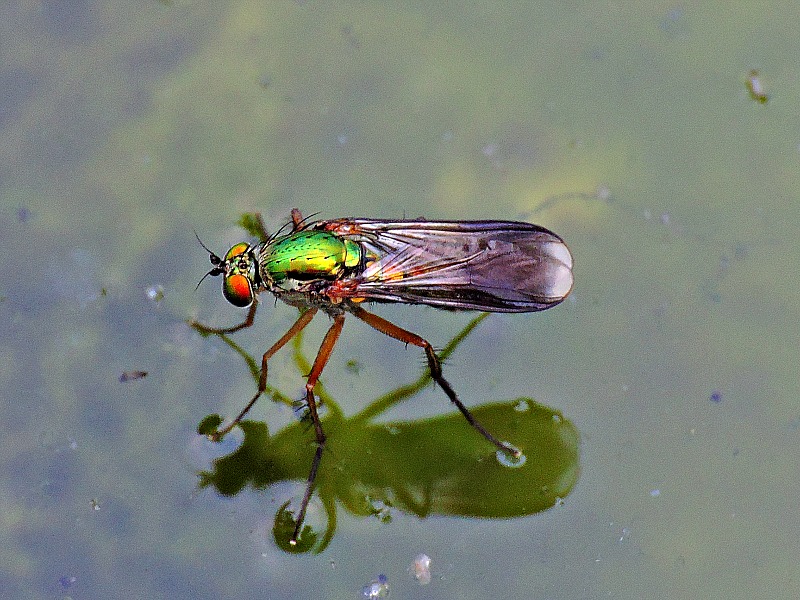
x=298 y=326
x=297 y=218
x=435 y=366
x=205 y=330
x=323 y=354
x=299 y=222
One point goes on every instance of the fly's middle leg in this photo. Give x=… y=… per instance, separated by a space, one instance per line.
x=323 y=354
x=435 y=366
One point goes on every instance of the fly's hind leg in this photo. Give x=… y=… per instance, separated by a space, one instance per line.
x=435 y=366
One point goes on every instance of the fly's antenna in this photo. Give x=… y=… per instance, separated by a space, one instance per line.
x=216 y=262
x=213 y=272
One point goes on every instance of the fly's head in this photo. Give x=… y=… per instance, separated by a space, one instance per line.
x=239 y=270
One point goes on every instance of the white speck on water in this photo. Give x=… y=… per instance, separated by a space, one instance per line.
x=155 y=293
x=377 y=588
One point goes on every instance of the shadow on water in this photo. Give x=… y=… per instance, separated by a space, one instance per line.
x=434 y=466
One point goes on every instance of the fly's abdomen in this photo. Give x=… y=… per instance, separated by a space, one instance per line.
x=308 y=255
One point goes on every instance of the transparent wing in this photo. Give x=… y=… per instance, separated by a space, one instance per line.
x=500 y=266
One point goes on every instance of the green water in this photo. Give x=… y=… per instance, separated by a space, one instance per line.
x=626 y=128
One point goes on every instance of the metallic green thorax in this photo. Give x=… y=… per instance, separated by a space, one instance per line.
x=306 y=255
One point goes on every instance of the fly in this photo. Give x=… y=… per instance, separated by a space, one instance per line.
x=337 y=265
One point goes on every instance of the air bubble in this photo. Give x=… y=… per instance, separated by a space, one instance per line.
x=522 y=406
x=155 y=293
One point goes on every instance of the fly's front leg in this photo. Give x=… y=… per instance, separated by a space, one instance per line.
x=435 y=366
x=298 y=326
x=205 y=330
x=323 y=354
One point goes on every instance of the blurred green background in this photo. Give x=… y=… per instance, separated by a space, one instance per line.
x=626 y=127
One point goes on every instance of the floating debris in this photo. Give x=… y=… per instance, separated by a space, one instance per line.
x=421 y=569
x=755 y=89
x=155 y=293
x=67 y=581
x=132 y=376
x=353 y=366
x=377 y=588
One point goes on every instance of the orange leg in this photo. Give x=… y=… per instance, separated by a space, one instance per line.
x=298 y=326
x=323 y=354
x=297 y=218
x=435 y=366
x=205 y=330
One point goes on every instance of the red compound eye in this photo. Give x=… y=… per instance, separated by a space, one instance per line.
x=238 y=290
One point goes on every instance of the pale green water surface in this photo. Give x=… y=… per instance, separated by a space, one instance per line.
x=626 y=127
